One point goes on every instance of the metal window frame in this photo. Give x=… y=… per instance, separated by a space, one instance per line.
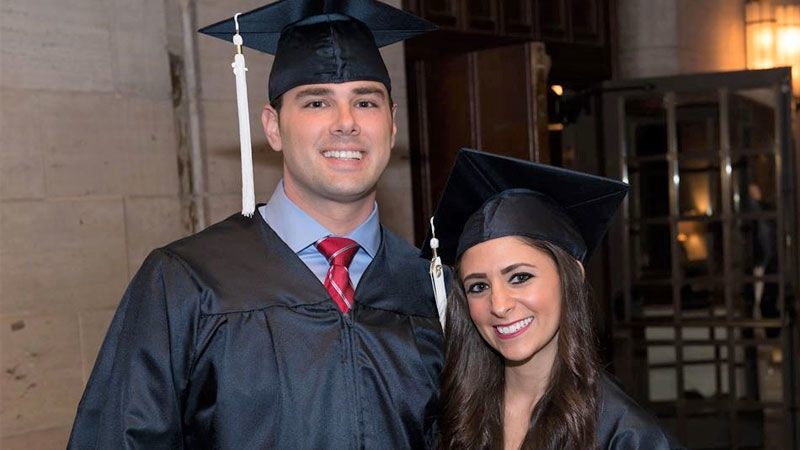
x=631 y=332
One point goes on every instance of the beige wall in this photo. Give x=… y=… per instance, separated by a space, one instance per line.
x=89 y=178
x=671 y=37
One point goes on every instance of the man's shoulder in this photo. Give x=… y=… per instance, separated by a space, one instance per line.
x=399 y=247
x=235 y=231
x=400 y=253
x=237 y=263
x=237 y=247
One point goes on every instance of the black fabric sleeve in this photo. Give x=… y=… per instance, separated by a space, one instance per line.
x=132 y=399
x=624 y=425
x=642 y=438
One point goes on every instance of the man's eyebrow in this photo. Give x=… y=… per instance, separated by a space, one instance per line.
x=368 y=90
x=313 y=92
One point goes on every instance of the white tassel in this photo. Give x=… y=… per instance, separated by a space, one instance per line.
x=437 y=278
x=239 y=69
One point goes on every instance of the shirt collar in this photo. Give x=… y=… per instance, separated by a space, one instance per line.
x=299 y=230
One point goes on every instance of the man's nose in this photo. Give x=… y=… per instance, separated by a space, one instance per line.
x=345 y=123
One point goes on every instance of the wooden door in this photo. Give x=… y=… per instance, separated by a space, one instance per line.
x=493 y=100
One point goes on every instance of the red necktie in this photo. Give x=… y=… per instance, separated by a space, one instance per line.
x=340 y=252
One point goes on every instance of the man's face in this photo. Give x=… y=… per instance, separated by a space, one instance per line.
x=336 y=139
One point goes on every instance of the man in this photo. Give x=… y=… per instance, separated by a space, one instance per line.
x=308 y=325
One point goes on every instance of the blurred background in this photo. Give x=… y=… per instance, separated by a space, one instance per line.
x=118 y=134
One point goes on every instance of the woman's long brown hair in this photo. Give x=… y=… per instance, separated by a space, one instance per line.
x=471 y=401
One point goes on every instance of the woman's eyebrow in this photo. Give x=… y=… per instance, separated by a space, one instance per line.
x=477 y=275
x=516 y=266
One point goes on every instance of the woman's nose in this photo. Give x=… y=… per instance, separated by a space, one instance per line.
x=502 y=303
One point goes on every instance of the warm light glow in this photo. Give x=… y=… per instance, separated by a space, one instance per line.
x=558 y=89
x=700 y=193
x=787 y=20
x=764 y=38
x=773 y=37
x=692 y=235
x=760 y=29
x=788 y=42
x=696 y=248
x=787 y=45
x=702 y=203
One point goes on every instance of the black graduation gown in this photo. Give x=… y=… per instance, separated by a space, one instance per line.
x=226 y=339
x=624 y=425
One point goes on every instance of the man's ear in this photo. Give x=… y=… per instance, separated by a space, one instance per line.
x=394 y=123
x=269 y=120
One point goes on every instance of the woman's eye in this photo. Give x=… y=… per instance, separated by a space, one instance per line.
x=521 y=277
x=475 y=288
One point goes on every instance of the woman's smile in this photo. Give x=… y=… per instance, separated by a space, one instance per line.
x=513 y=293
x=514 y=329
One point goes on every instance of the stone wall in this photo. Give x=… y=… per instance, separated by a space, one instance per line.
x=93 y=175
x=671 y=37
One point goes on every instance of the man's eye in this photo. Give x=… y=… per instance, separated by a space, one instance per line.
x=315 y=104
x=476 y=288
x=365 y=104
x=520 y=277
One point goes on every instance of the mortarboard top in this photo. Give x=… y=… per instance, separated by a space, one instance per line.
x=322 y=41
x=489 y=196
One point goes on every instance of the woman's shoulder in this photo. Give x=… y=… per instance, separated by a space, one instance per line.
x=623 y=424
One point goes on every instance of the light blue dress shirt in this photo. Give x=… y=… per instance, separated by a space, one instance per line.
x=299 y=231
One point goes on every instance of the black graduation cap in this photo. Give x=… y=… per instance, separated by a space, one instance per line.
x=322 y=41
x=489 y=196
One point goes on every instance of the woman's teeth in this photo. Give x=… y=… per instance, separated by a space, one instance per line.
x=341 y=154
x=514 y=327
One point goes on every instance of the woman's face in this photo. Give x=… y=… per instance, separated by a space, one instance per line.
x=514 y=295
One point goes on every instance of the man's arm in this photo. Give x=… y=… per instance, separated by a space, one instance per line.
x=131 y=400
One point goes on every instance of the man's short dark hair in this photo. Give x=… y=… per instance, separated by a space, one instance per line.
x=277 y=103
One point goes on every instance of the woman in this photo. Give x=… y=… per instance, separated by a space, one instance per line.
x=521 y=369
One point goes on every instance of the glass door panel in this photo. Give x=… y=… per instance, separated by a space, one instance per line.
x=700 y=245
x=707 y=276
x=699 y=187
